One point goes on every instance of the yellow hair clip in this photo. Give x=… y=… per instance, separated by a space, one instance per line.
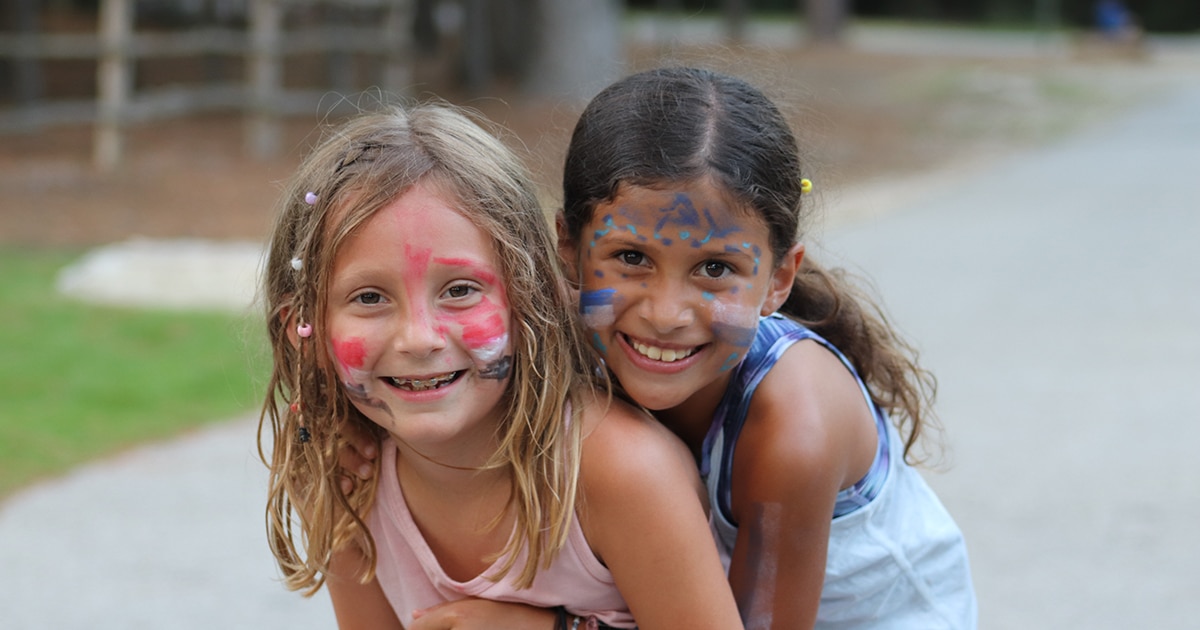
x=805 y=186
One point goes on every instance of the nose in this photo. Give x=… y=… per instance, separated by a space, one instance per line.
x=668 y=306
x=418 y=333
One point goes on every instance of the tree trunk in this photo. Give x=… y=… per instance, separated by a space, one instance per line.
x=826 y=20
x=578 y=48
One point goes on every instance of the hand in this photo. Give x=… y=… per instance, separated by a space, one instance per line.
x=357 y=450
x=471 y=613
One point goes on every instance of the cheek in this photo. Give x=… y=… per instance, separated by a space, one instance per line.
x=351 y=355
x=484 y=331
x=734 y=323
x=350 y=352
x=596 y=308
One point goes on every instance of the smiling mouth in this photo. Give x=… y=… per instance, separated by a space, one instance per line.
x=666 y=355
x=425 y=384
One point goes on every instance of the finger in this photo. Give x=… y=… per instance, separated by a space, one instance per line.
x=360 y=441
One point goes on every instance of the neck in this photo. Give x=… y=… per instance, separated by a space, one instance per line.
x=463 y=471
x=691 y=419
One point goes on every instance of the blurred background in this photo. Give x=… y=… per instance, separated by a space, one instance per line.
x=142 y=143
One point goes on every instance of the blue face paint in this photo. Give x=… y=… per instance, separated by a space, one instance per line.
x=682 y=213
x=730 y=362
x=498 y=370
x=708 y=296
x=598 y=298
x=596 y=307
x=599 y=345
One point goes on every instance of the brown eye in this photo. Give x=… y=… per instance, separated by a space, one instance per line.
x=630 y=257
x=716 y=269
x=369 y=298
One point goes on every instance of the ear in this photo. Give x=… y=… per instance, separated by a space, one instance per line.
x=568 y=251
x=289 y=326
x=782 y=279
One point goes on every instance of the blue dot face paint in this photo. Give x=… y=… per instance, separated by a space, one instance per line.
x=674 y=282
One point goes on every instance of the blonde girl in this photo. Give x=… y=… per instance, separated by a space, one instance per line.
x=412 y=295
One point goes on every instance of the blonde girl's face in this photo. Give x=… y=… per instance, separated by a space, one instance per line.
x=673 y=282
x=419 y=326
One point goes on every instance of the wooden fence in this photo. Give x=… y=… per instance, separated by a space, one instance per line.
x=264 y=45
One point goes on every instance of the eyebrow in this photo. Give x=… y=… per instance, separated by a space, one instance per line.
x=478 y=268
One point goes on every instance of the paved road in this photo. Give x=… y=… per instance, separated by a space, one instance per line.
x=1057 y=296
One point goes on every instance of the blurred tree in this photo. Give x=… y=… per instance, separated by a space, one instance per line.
x=575 y=49
x=23 y=74
x=826 y=19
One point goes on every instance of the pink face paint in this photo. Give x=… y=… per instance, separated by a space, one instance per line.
x=483 y=274
x=484 y=334
x=350 y=352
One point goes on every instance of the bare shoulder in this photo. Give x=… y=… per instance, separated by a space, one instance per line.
x=628 y=456
x=616 y=432
x=808 y=420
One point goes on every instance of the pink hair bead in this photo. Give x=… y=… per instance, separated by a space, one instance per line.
x=304 y=330
x=310 y=198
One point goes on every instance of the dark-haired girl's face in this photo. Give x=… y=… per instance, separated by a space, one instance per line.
x=673 y=282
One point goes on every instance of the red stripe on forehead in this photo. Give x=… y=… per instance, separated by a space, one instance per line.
x=482 y=272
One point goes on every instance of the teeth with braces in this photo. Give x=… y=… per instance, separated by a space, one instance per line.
x=665 y=355
x=418 y=385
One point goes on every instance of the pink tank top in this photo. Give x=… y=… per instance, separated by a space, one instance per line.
x=412 y=579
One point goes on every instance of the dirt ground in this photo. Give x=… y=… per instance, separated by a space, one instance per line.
x=859 y=116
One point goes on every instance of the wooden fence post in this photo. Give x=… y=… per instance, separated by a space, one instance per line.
x=265 y=73
x=400 y=48
x=113 y=81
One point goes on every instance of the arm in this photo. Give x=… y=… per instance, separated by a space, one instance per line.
x=809 y=433
x=357 y=605
x=643 y=515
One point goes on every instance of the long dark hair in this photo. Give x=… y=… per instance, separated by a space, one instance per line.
x=681 y=124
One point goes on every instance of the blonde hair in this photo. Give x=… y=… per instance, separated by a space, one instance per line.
x=358 y=169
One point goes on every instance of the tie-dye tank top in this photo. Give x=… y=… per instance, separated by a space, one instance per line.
x=775 y=335
x=896 y=559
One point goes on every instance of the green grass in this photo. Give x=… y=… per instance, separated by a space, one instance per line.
x=79 y=382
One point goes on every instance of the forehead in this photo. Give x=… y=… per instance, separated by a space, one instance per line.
x=424 y=217
x=697 y=209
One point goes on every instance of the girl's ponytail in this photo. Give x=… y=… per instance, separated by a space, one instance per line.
x=829 y=303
